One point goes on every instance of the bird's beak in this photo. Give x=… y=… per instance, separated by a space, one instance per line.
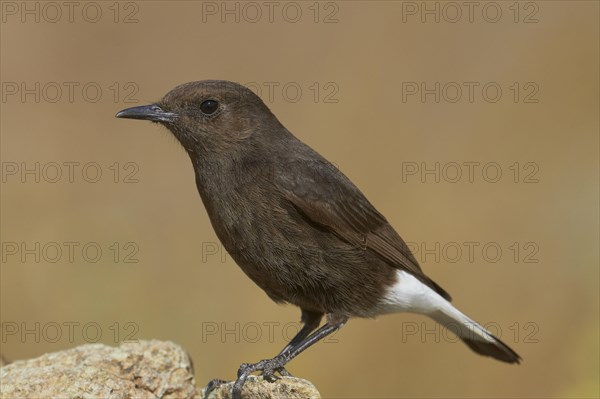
x=150 y=112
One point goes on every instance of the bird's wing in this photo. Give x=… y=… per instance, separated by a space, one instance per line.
x=325 y=196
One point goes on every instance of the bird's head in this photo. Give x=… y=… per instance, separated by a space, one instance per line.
x=209 y=115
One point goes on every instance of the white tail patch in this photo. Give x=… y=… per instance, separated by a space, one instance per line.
x=409 y=294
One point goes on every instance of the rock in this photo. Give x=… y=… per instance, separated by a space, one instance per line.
x=144 y=369
x=258 y=388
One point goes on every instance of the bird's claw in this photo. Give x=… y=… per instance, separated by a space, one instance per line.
x=212 y=385
x=268 y=368
x=269 y=374
x=244 y=368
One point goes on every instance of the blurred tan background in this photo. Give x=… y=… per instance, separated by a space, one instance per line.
x=356 y=63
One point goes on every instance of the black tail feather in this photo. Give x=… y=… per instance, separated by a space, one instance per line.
x=498 y=350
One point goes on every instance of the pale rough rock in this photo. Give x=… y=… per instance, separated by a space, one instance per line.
x=146 y=369
x=256 y=387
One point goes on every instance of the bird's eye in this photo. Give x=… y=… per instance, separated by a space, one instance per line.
x=209 y=107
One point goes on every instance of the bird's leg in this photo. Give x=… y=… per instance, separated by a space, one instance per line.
x=279 y=361
x=311 y=321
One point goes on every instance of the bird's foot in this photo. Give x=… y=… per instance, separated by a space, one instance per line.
x=212 y=385
x=268 y=367
x=269 y=375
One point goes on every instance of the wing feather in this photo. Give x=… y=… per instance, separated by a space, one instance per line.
x=328 y=198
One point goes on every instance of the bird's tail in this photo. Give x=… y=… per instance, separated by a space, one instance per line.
x=474 y=335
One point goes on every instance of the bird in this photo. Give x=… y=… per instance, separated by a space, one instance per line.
x=296 y=225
